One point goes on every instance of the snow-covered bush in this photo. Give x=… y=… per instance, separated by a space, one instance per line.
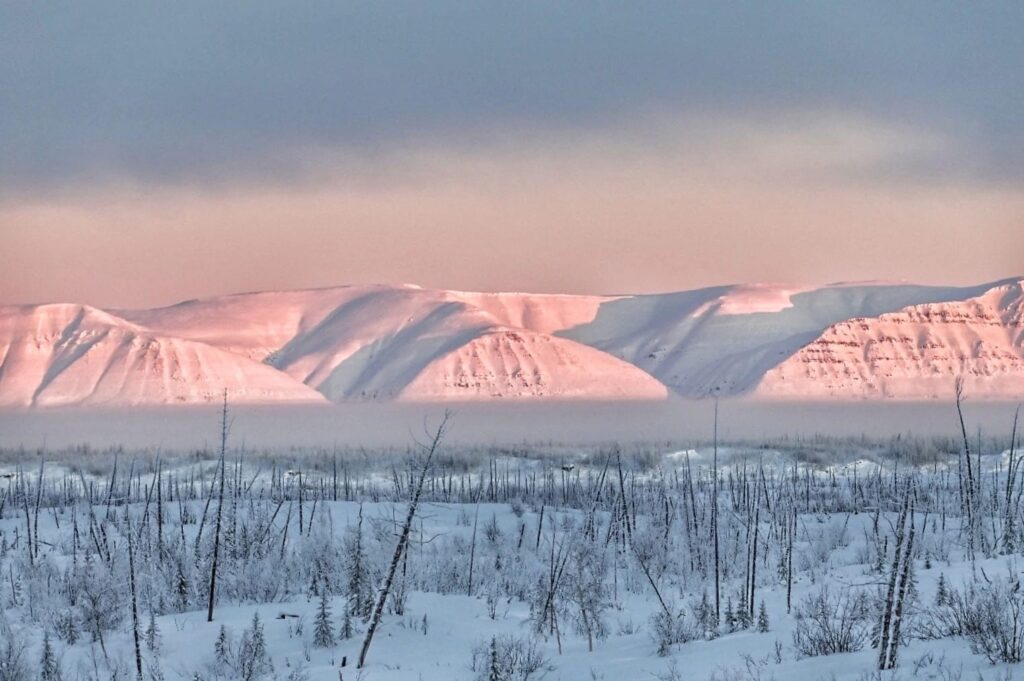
x=247 y=660
x=995 y=621
x=827 y=623
x=509 y=658
x=669 y=629
x=990 y=616
x=951 y=614
x=14 y=664
x=253 y=660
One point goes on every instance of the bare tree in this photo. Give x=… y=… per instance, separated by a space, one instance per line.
x=899 y=583
x=472 y=544
x=220 y=507
x=968 y=486
x=135 y=605
x=1009 y=516
x=403 y=539
x=714 y=519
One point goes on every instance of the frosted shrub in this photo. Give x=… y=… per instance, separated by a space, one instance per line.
x=668 y=630
x=827 y=624
x=995 y=621
x=13 y=663
x=952 y=614
x=509 y=658
x=492 y=532
x=990 y=616
x=832 y=537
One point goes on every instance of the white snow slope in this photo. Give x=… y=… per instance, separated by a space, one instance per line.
x=60 y=355
x=852 y=341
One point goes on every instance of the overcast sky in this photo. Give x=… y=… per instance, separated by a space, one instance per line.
x=151 y=152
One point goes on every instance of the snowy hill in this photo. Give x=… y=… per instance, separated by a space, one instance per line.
x=914 y=352
x=854 y=341
x=408 y=343
x=728 y=339
x=61 y=355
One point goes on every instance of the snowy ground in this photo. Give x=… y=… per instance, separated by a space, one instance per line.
x=274 y=567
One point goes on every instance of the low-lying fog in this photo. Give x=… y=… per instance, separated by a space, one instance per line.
x=505 y=423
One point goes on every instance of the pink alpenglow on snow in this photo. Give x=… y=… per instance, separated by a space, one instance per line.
x=406 y=343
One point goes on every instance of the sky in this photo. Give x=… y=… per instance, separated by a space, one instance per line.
x=154 y=152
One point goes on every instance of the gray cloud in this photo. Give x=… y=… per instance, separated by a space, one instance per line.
x=169 y=92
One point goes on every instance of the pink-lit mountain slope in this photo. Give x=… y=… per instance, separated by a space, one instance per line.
x=378 y=342
x=726 y=340
x=61 y=355
x=851 y=341
x=914 y=352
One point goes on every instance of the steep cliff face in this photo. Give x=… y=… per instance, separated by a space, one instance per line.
x=916 y=352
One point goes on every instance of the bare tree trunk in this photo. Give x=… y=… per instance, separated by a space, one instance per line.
x=753 y=551
x=28 y=530
x=159 y=509
x=789 y=557
x=894 y=640
x=39 y=499
x=714 y=519
x=885 y=628
x=403 y=540
x=650 y=579
x=1009 y=519
x=969 y=487
x=135 y=605
x=220 y=508
x=625 y=504
x=472 y=547
x=299 y=478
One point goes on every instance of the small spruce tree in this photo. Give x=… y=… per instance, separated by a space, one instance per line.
x=347 y=629
x=702 y=613
x=494 y=673
x=360 y=590
x=713 y=623
x=152 y=634
x=67 y=628
x=880 y=557
x=254 y=660
x=742 y=612
x=762 y=619
x=49 y=668
x=181 y=589
x=222 y=649
x=941 y=591
x=323 y=632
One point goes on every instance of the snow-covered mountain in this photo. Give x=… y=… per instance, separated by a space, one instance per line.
x=854 y=341
x=913 y=352
x=62 y=355
x=378 y=342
